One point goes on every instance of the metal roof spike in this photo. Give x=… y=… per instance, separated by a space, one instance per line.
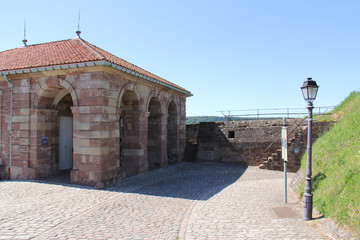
x=24 y=40
x=78 y=32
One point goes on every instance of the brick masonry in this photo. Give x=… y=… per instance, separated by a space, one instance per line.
x=121 y=124
x=254 y=143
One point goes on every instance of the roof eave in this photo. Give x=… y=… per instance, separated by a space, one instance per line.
x=91 y=64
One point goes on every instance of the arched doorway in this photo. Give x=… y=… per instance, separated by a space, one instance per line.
x=51 y=129
x=65 y=133
x=154 y=134
x=172 y=134
x=129 y=133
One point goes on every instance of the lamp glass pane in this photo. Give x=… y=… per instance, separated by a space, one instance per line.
x=304 y=91
x=312 y=91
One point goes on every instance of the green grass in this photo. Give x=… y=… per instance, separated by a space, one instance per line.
x=339 y=110
x=336 y=166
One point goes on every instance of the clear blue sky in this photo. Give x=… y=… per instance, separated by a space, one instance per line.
x=238 y=54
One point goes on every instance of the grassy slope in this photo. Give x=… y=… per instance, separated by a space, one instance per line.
x=336 y=166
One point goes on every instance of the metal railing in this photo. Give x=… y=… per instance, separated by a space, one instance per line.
x=275 y=113
x=289 y=135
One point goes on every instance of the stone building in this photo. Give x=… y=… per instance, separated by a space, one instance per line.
x=73 y=106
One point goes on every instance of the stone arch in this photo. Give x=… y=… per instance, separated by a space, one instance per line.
x=129 y=86
x=171 y=99
x=129 y=101
x=172 y=133
x=129 y=127
x=45 y=95
x=153 y=94
x=154 y=132
x=53 y=121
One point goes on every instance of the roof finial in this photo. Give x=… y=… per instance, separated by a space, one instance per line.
x=24 y=40
x=78 y=32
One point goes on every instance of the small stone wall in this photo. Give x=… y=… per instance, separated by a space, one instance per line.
x=254 y=143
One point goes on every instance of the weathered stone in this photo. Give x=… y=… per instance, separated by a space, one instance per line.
x=255 y=143
x=119 y=127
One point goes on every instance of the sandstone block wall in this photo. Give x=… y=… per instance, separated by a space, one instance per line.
x=122 y=124
x=254 y=143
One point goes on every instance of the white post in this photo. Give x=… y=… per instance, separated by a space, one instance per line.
x=285 y=187
x=284 y=156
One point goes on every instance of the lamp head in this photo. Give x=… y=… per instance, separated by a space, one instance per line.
x=309 y=90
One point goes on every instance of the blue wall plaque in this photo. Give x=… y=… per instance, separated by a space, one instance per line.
x=44 y=140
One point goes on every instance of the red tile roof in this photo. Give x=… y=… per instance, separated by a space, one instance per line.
x=63 y=52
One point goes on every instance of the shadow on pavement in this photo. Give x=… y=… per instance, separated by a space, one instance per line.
x=195 y=181
x=62 y=178
x=187 y=180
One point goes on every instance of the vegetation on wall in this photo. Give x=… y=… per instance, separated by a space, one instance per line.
x=336 y=166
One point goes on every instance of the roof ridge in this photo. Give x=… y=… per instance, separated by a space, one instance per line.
x=91 y=48
x=70 y=51
x=133 y=67
x=34 y=45
x=39 y=44
x=97 y=50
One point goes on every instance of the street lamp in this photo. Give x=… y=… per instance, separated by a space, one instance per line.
x=309 y=90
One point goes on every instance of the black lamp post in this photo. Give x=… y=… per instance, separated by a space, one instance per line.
x=309 y=90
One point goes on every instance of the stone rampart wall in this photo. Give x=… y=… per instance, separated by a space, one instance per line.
x=254 y=143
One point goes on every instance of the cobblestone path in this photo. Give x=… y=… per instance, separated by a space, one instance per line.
x=182 y=201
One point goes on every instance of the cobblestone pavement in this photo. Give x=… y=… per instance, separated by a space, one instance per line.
x=183 y=201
